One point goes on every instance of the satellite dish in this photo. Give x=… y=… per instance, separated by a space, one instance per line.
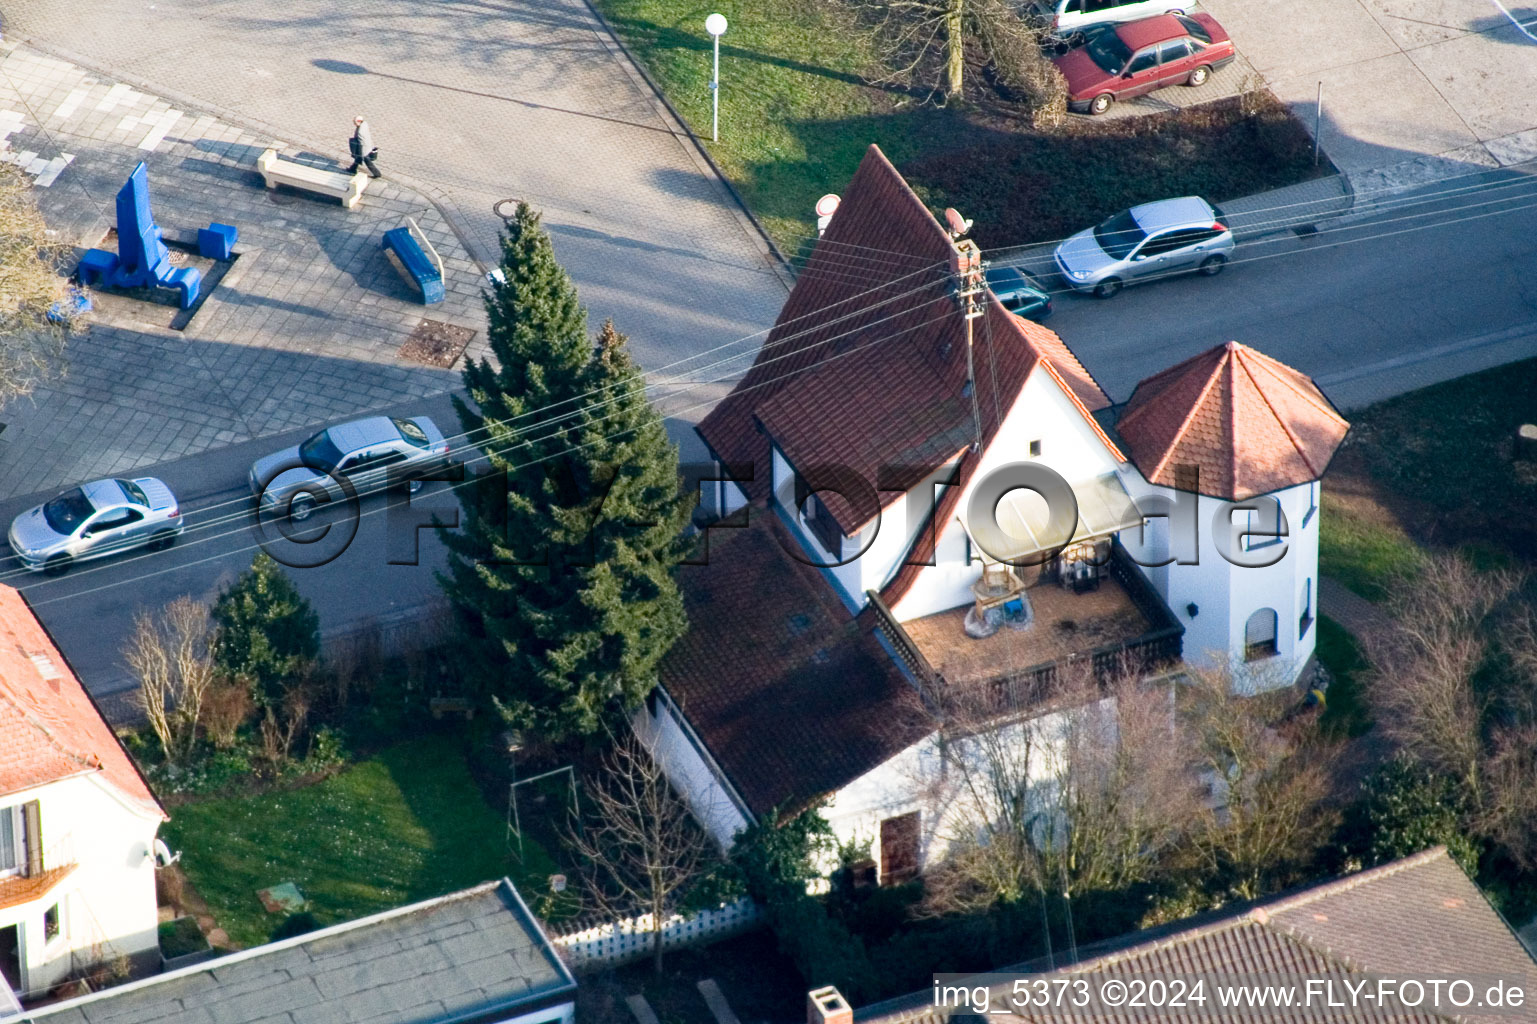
x=164 y=858
x=958 y=224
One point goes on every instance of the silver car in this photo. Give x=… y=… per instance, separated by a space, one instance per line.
x=1152 y=240
x=364 y=452
x=94 y=520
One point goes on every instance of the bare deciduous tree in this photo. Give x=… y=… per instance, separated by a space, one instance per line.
x=1268 y=789
x=1421 y=678
x=1454 y=684
x=1089 y=797
x=924 y=42
x=171 y=654
x=638 y=841
x=30 y=283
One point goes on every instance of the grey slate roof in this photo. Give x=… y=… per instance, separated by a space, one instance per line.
x=476 y=955
x=1419 y=917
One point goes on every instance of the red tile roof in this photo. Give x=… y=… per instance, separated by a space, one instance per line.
x=1251 y=425
x=49 y=727
x=866 y=364
x=792 y=698
x=1419 y=917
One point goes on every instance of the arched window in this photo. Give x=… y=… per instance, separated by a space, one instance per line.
x=1259 y=635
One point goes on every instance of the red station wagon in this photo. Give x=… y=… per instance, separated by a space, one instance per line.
x=1121 y=61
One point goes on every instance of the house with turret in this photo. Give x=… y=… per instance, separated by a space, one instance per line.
x=923 y=497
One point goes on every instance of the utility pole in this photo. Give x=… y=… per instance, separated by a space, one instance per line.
x=715 y=24
x=970 y=288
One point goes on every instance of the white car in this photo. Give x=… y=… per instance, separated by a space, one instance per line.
x=103 y=517
x=367 y=453
x=1068 y=17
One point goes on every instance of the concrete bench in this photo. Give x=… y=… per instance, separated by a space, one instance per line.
x=276 y=171
x=416 y=260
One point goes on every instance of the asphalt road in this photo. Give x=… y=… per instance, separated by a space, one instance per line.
x=1440 y=283
x=1429 y=290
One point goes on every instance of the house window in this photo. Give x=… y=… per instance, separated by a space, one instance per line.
x=1305 y=621
x=823 y=526
x=1257 y=526
x=1312 y=503
x=901 y=839
x=52 y=924
x=10 y=841
x=1259 y=635
x=1035 y=448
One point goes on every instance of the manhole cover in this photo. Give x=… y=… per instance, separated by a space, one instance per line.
x=435 y=343
x=506 y=208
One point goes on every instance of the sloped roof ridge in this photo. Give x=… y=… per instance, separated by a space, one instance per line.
x=1290 y=378
x=48 y=734
x=1264 y=396
x=1315 y=893
x=1190 y=413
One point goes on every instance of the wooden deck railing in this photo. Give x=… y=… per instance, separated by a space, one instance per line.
x=1160 y=645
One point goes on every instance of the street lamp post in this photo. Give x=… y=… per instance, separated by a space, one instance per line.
x=715 y=24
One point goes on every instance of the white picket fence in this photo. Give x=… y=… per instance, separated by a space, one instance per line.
x=591 y=945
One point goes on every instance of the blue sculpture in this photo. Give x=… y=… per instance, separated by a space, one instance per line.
x=142 y=259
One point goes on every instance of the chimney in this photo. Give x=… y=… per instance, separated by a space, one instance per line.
x=827 y=1006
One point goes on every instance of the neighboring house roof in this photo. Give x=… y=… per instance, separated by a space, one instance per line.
x=50 y=729
x=866 y=365
x=792 y=698
x=1419 y=917
x=474 y=956
x=1251 y=424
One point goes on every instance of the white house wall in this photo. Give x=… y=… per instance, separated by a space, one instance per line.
x=925 y=778
x=107 y=904
x=1226 y=595
x=686 y=769
x=1069 y=445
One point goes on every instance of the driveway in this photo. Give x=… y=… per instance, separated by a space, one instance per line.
x=1412 y=89
x=475 y=101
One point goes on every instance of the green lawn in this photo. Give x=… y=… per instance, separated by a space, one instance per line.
x=406 y=825
x=1345 y=713
x=796 y=117
x=1362 y=547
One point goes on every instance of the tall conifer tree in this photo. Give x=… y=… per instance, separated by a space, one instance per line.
x=560 y=574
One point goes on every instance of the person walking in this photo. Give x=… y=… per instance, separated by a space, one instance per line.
x=363 y=149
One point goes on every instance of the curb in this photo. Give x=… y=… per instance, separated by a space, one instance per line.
x=697 y=152
x=431 y=194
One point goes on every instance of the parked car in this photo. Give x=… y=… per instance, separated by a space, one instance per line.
x=1117 y=62
x=364 y=452
x=1070 y=16
x=1151 y=240
x=1020 y=291
x=103 y=517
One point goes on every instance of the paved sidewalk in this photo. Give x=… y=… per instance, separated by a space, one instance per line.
x=478 y=102
x=304 y=328
x=1359 y=616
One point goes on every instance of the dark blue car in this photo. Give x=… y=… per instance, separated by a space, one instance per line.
x=1020 y=292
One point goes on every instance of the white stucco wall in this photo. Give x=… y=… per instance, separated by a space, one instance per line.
x=1225 y=594
x=688 y=772
x=927 y=777
x=1069 y=445
x=108 y=900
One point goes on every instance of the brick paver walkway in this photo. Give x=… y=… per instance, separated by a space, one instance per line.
x=473 y=103
x=305 y=327
x=1358 y=615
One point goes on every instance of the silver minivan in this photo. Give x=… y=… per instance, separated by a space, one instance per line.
x=1069 y=16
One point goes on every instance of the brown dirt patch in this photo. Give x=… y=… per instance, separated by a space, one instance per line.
x=435 y=343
